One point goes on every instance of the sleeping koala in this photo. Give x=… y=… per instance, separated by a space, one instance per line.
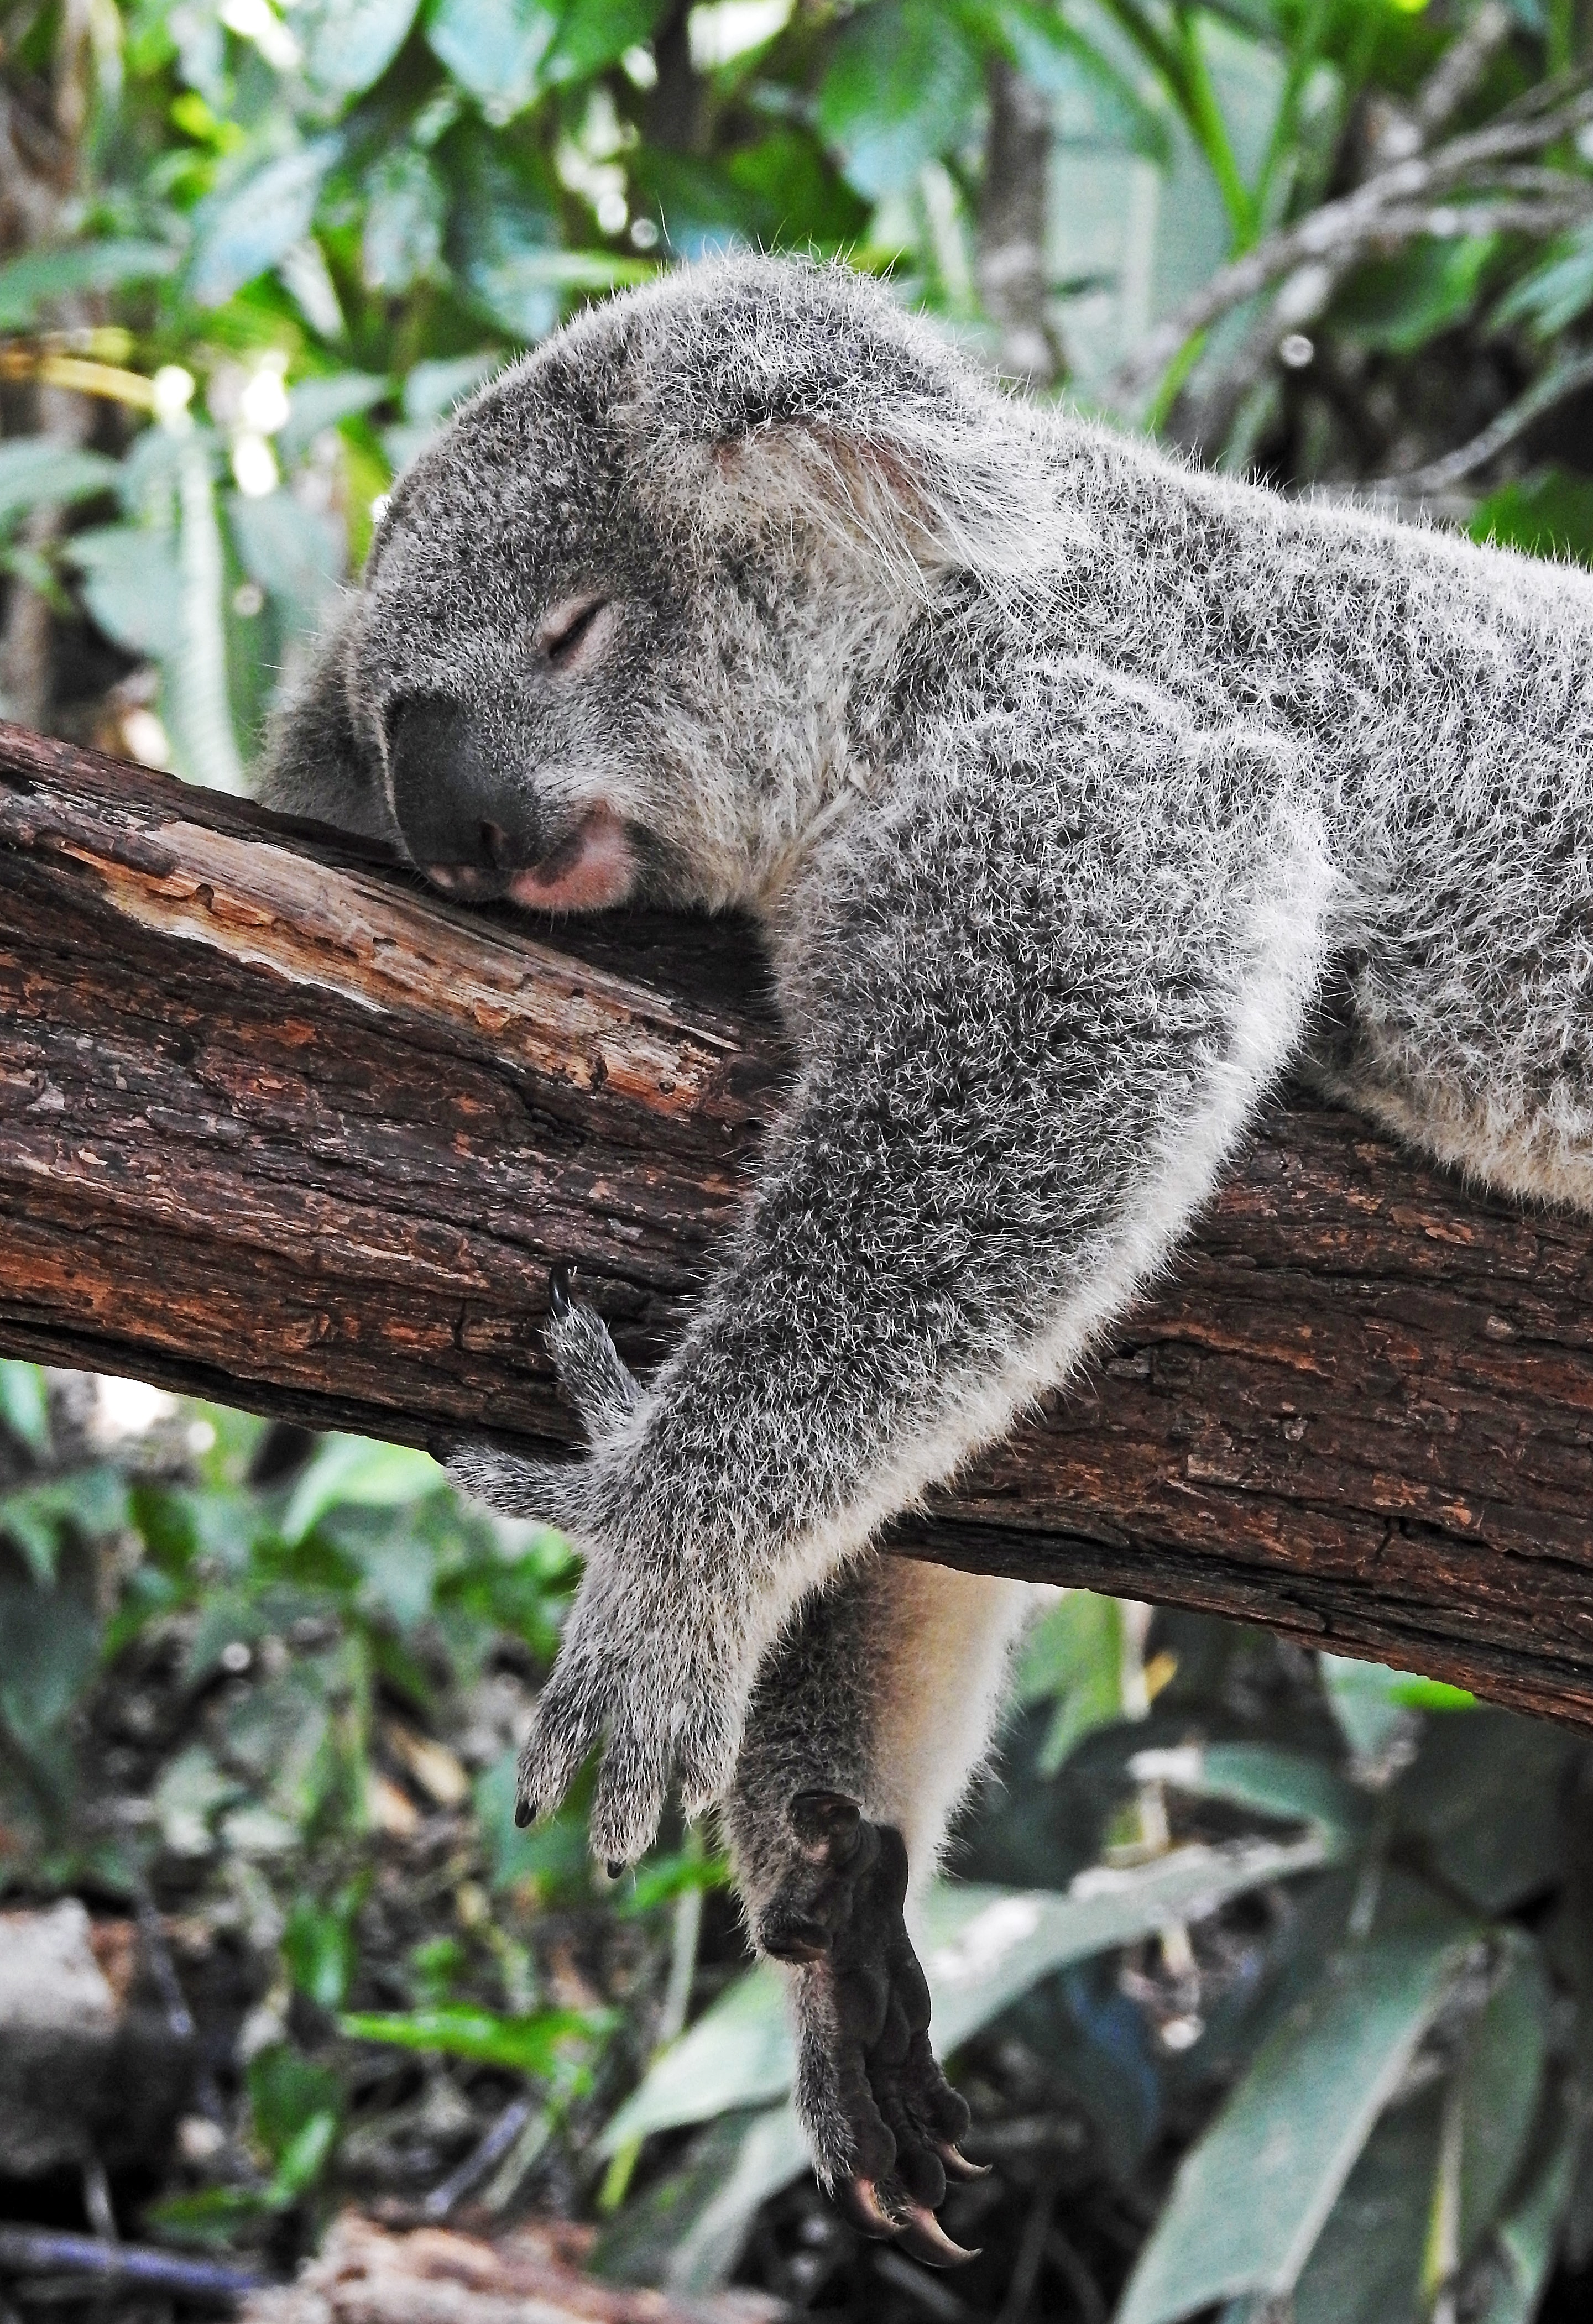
x=1076 y=796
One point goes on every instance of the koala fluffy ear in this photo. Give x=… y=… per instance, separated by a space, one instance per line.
x=770 y=392
x=315 y=762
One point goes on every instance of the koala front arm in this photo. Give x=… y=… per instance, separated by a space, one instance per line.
x=1022 y=1067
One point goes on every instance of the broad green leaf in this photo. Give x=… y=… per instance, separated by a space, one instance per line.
x=295 y=553
x=1501 y=2081
x=1074 y=1655
x=433 y=390
x=289 y=2094
x=357 y=1469
x=407 y=210
x=900 y=90
x=494 y=49
x=48 y=1652
x=304 y=2158
x=1529 y=2236
x=593 y=33
x=24 y=1408
x=35 y=472
x=319 y=1947
x=34 y=1517
x=1094 y=99
x=536 y=2044
x=32 y=281
x=1398 y=306
x=1555 y=293
x=348 y=45
x=132 y=586
x=981 y=1949
x=503 y=233
x=1366 y=2266
x=251 y=224
x=1251 y=2196
x=315 y=405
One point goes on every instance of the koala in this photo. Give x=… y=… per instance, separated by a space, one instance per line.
x=1078 y=796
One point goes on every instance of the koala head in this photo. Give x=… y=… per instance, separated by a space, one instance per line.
x=616 y=620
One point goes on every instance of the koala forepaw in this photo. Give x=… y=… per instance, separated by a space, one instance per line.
x=882 y=2119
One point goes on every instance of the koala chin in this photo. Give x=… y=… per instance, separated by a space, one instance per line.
x=1078 y=796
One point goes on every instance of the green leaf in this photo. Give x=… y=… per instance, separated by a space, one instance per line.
x=1501 y=2082
x=36 y=1517
x=295 y=553
x=1398 y=306
x=504 y=233
x=304 y=2158
x=319 y=1946
x=246 y=226
x=357 y=1469
x=495 y=48
x=132 y=586
x=48 y=1652
x=536 y=2044
x=314 y=405
x=594 y=33
x=24 y=1408
x=900 y=90
x=983 y=1949
x=1555 y=294
x=348 y=45
x=289 y=2094
x=1366 y=2266
x=1250 y=2198
x=433 y=390
x=1074 y=1654
x=405 y=213
x=36 y=472
x=555 y=1854
x=1547 y=515
x=1529 y=2236
x=687 y=2232
x=39 y=277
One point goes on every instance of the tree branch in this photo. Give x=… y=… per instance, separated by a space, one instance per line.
x=278 y=1128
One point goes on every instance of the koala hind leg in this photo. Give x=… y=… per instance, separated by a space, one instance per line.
x=866 y=1722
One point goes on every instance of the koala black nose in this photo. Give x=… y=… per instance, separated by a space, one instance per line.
x=459 y=818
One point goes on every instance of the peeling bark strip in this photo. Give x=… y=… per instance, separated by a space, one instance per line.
x=279 y=1128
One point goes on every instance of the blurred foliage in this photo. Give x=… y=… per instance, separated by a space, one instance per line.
x=1271 y=1981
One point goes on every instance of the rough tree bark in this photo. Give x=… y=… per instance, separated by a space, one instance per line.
x=278 y=1127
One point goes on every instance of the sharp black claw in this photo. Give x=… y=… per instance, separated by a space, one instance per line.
x=859 y=2205
x=614 y=1869
x=956 y=2164
x=558 y=1292
x=922 y=2234
x=525 y=1813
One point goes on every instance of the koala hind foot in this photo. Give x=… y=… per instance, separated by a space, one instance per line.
x=884 y=2121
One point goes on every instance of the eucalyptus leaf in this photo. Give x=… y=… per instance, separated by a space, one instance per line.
x=1253 y=2195
x=253 y=222
x=493 y=48
x=24 y=1408
x=314 y=405
x=33 y=282
x=348 y=45
x=407 y=210
x=534 y=2045
x=1500 y=2086
x=1366 y=2266
x=133 y=587
x=294 y=552
x=900 y=89
x=35 y=472
x=357 y=1469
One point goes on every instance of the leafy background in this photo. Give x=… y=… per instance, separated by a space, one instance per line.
x=1269 y=1978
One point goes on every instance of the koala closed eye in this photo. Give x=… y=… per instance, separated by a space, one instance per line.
x=572 y=631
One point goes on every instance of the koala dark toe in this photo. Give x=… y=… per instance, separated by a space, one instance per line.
x=884 y=2119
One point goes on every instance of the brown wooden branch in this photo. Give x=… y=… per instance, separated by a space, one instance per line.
x=279 y=1128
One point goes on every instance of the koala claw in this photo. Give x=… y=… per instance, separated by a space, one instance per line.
x=561 y=1299
x=885 y=2121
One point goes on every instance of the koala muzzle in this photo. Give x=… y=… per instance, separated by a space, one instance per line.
x=460 y=818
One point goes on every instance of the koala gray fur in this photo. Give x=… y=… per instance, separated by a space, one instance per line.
x=1077 y=795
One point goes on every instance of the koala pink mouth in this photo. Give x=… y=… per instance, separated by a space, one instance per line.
x=593 y=869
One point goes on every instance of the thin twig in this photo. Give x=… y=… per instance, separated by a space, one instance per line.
x=1564 y=380
x=35 y=2251
x=1396 y=202
x=491 y=2149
